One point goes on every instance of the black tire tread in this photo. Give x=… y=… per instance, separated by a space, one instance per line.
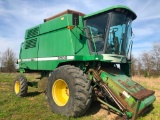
x=83 y=93
x=23 y=85
x=81 y=84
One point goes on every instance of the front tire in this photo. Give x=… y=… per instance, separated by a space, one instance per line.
x=20 y=86
x=68 y=91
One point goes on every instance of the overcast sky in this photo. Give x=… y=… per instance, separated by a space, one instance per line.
x=18 y=15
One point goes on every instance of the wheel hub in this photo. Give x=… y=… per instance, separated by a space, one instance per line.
x=60 y=92
x=17 y=87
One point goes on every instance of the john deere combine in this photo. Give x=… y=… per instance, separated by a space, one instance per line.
x=82 y=57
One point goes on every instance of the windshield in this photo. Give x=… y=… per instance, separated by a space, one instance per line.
x=119 y=34
x=96 y=29
x=109 y=33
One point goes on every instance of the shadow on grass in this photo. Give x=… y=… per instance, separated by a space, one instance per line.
x=95 y=108
x=32 y=94
x=146 y=111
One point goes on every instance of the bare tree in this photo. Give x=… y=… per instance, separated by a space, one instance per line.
x=8 y=60
x=133 y=65
x=156 y=56
x=139 y=66
x=147 y=61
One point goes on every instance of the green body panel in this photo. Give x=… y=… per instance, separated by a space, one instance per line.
x=56 y=24
x=30 y=53
x=56 y=40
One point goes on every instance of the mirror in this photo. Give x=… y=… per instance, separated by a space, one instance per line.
x=131 y=32
x=80 y=36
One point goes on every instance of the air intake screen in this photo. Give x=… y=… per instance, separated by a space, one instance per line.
x=33 y=32
x=31 y=43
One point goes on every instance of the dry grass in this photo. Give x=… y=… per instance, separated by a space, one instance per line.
x=152 y=83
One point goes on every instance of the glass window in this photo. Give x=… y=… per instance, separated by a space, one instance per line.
x=119 y=33
x=109 y=33
x=96 y=29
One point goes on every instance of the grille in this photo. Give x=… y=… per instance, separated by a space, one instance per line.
x=31 y=43
x=33 y=32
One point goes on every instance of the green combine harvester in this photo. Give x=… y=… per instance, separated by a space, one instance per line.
x=82 y=58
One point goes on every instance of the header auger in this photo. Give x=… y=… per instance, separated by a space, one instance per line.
x=84 y=56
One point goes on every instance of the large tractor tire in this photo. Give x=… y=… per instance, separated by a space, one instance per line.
x=68 y=91
x=20 y=86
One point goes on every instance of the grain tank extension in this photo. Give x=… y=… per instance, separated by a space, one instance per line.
x=82 y=58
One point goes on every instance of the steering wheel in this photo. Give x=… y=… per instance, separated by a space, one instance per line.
x=113 y=30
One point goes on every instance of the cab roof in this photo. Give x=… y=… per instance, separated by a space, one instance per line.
x=117 y=7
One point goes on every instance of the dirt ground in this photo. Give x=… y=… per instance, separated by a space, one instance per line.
x=99 y=113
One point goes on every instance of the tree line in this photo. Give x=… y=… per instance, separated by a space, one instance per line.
x=148 y=62
x=8 y=61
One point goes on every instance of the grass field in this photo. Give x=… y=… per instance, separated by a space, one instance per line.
x=35 y=107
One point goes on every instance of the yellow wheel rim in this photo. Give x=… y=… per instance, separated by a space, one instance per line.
x=60 y=92
x=17 y=87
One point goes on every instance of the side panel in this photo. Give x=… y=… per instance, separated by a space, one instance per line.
x=53 y=45
x=56 y=24
x=28 y=54
x=60 y=45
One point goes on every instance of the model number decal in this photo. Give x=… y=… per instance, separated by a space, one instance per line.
x=47 y=59
x=62 y=58
x=126 y=94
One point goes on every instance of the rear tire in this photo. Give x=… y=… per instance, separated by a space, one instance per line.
x=20 y=86
x=68 y=91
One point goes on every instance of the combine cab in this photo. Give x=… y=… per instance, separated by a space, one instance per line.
x=81 y=57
